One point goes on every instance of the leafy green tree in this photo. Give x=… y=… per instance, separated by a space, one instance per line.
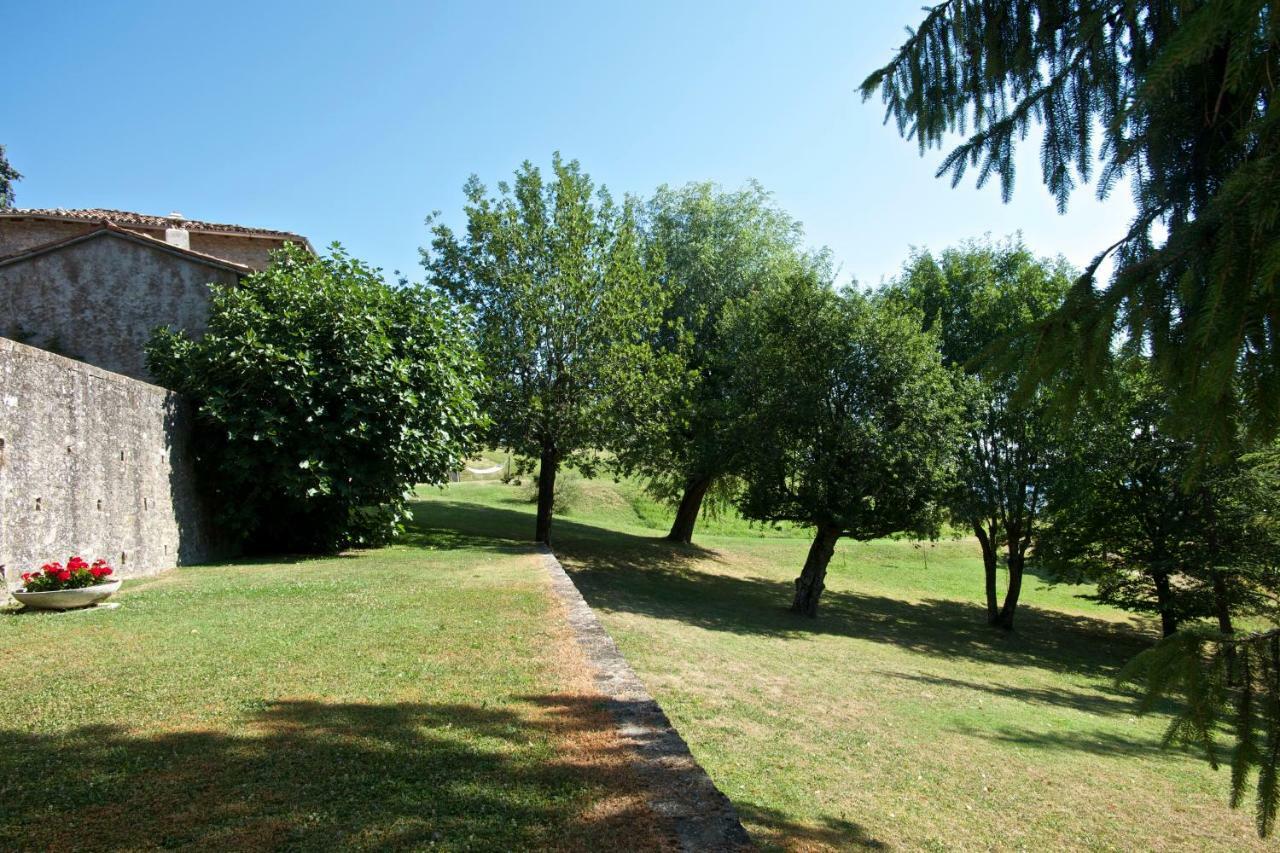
x=855 y=421
x=8 y=176
x=709 y=248
x=1175 y=96
x=975 y=296
x=565 y=314
x=322 y=395
x=1122 y=515
x=1229 y=678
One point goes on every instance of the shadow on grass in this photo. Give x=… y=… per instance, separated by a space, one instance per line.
x=312 y=775
x=774 y=830
x=647 y=575
x=1103 y=699
x=1100 y=743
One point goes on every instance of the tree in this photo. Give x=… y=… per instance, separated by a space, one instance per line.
x=855 y=421
x=8 y=175
x=975 y=296
x=1180 y=94
x=1122 y=515
x=1225 y=678
x=322 y=395
x=709 y=248
x=1173 y=95
x=565 y=313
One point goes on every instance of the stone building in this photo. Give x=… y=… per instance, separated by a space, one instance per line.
x=94 y=284
x=21 y=230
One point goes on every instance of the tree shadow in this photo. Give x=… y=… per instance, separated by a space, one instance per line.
x=1101 y=699
x=623 y=572
x=313 y=775
x=774 y=830
x=1095 y=742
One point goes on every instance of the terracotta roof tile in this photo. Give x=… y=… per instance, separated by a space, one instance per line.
x=142 y=220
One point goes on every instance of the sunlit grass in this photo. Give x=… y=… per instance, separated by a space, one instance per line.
x=896 y=717
x=415 y=696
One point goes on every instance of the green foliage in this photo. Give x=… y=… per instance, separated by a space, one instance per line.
x=1222 y=679
x=1176 y=97
x=1124 y=517
x=709 y=248
x=322 y=395
x=565 y=312
x=975 y=296
x=8 y=175
x=854 y=420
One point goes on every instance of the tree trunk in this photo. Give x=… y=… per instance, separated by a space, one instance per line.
x=989 y=563
x=548 y=467
x=687 y=513
x=1017 y=562
x=1164 y=599
x=1221 y=602
x=809 y=585
x=1222 y=608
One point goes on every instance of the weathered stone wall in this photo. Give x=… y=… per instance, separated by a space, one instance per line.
x=95 y=464
x=253 y=252
x=99 y=299
x=18 y=235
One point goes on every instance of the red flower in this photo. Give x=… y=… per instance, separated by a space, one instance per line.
x=26 y=576
x=64 y=575
x=99 y=563
x=51 y=568
x=77 y=563
x=100 y=571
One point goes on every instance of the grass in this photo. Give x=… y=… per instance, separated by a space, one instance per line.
x=896 y=718
x=413 y=697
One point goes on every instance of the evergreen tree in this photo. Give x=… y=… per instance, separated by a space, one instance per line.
x=1173 y=95
x=8 y=175
x=974 y=296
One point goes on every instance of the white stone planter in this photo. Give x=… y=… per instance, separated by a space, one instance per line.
x=66 y=599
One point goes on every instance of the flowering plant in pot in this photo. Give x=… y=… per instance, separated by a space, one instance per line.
x=59 y=587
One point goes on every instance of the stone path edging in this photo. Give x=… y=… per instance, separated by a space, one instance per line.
x=679 y=791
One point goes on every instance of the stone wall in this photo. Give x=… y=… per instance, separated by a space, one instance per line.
x=18 y=234
x=99 y=299
x=96 y=464
x=253 y=252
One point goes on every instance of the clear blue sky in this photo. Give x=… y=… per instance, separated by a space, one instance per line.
x=351 y=122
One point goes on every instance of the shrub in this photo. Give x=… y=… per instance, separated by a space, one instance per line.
x=322 y=395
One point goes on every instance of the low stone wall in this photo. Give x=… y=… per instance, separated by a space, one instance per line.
x=96 y=464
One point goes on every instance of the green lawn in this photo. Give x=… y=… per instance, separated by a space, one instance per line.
x=896 y=718
x=421 y=696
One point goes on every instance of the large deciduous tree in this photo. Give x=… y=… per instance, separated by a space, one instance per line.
x=565 y=312
x=8 y=176
x=322 y=395
x=975 y=296
x=710 y=247
x=855 y=421
x=1173 y=95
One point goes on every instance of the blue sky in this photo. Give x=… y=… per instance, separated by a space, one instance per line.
x=352 y=122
